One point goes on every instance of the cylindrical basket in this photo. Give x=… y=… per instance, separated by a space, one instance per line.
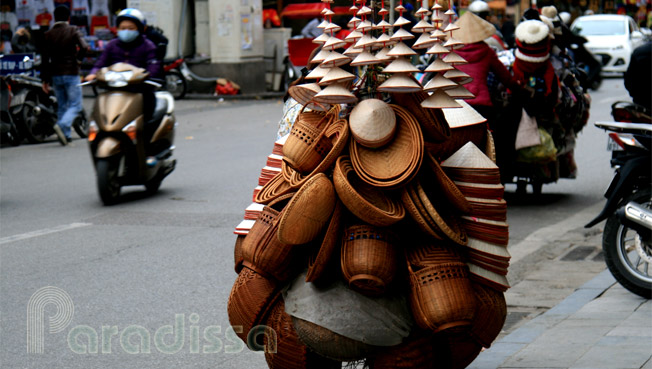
x=307 y=144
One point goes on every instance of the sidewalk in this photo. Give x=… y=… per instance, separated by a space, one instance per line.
x=600 y=325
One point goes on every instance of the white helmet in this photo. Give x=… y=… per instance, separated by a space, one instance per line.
x=565 y=17
x=478 y=6
x=133 y=15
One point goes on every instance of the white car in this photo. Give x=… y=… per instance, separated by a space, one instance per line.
x=612 y=38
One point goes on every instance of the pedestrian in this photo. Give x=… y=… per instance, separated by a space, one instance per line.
x=63 y=47
x=133 y=48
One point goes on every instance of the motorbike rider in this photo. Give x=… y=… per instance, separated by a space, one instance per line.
x=638 y=76
x=134 y=48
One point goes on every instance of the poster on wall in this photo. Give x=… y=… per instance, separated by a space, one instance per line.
x=25 y=12
x=247 y=32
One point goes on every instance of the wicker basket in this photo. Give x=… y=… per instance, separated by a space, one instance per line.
x=249 y=302
x=490 y=315
x=445 y=185
x=475 y=133
x=329 y=344
x=237 y=254
x=432 y=121
x=368 y=203
x=369 y=258
x=415 y=353
x=273 y=189
x=441 y=296
x=321 y=259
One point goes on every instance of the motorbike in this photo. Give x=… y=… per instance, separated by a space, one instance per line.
x=8 y=131
x=176 y=74
x=123 y=152
x=627 y=237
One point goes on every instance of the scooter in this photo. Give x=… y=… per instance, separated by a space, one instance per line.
x=627 y=237
x=8 y=131
x=117 y=133
x=176 y=74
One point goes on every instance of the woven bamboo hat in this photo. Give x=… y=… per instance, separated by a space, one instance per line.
x=465 y=116
x=317 y=73
x=439 y=66
x=372 y=123
x=439 y=99
x=401 y=35
x=401 y=83
x=335 y=59
x=365 y=58
x=469 y=156
x=439 y=82
x=473 y=28
x=424 y=42
x=336 y=93
x=401 y=49
x=400 y=21
x=400 y=65
x=460 y=92
x=335 y=75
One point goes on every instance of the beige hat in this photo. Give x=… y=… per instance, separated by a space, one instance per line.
x=372 y=123
x=401 y=83
x=454 y=58
x=400 y=22
x=366 y=41
x=439 y=82
x=422 y=26
x=549 y=11
x=352 y=51
x=320 y=56
x=438 y=34
x=401 y=49
x=401 y=35
x=400 y=65
x=365 y=10
x=465 y=116
x=438 y=49
x=424 y=42
x=438 y=100
x=453 y=43
x=353 y=36
x=385 y=40
x=354 y=22
x=335 y=94
x=439 y=66
x=451 y=27
x=473 y=28
x=334 y=43
x=383 y=24
x=335 y=75
x=382 y=55
x=321 y=39
x=317 y=73
x=334 y=59
x=460 y=92
x=332 y=28
x=365 y=26
x=365 y=58
x=458 y=76
x=469 y=156
x=323 y=24
x=304 y=94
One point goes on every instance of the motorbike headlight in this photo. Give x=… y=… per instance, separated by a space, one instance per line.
x=118 y=79
x=92 y=130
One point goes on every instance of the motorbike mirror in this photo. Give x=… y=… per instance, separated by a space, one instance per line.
x=574 y=46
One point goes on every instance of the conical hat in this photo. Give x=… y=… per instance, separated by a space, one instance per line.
x=323 y=24
x=353 y=22
x=401 y=83
x=451 y=27
x=453 y=43
x=466 y=116
x=365 y=10
x=335 y=94
x=373 y=122
x=383 y=11
x=321 y=56
x=334 y=43
x=473 y=28
x=352 y=51
x=335 y=59
x=437 y=48
x=401 y=35
x=438 y=66
x=422 y=10
x=353 y=8
x=400 y=65
x=460 y=92
x=469 y=156
x=400 y=8
x=385 y=40
x=424 y=42
x=317 y=73
x=422 y=26
x=366 y=41
x=382 y=54
x=336 y=75
x=353 y=36
x=437 y=19
x=365 y=58
x=332 y=27
x=400 y=22
x=438 y=34
x=438 y=82
x=401 y=49
x=383 y=24
x=458 y=76
x=327 y=12
x=454 y=58
x=450 y=12
x=304 y=93
x=364 y=26
x=321 y=39
x=438 y=100
x=437 y=6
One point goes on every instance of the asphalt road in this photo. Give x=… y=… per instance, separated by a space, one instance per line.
x=160 y=267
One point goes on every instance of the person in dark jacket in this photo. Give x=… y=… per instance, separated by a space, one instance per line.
x=63 y=47
x=134 y=48
x=638 y=76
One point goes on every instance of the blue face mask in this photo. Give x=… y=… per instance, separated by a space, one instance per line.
x=127 y=35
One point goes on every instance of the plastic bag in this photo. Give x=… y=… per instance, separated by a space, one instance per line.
x=542 y=153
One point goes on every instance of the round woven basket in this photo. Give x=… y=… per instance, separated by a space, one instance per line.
x=273 y=189
x=329 y=344
x=320 y=260
x=445 y=185
x=449 y=227
x=490 y=315
x=441 y=296
x=367 y=202
x=416 y=352
x=369 y=258
x=237 y=253
x=432 y=121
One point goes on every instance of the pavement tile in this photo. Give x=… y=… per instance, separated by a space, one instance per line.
x=602 y=281
x=616 y=352
x=648 y=364
x=633 y=331
x=529 y=331
x=571 y=336
x=576 y=301
x=495 y=355
x=554 y=355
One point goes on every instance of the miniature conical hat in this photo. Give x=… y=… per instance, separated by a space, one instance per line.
x=421 y=11
x=400 y=8
x=438 y=100
x=458 y=76
x=438 y=49
x=334 y=43
x=437 y=6
x=365 y=10
x=423 y=26
x=317 y=73
x=424 y=42
x=335 y=59
x=437 y=19
x=401 y=83
x=401 y=35
x=438 y=34
x=365 y=58
x=453 y=43
x=400 y=22
x=321 y=39
x=354 y=22
x=383 y=24
x=460 y=92
x=353 y=8
x=466 y=116
x=335 y=75
x=401 y=49
x=400 y=65
x=352 y=51
x=364 y=26
x=327 y=12
x=383 y=11
x=353 y=36
x=321 y=56
x=451 y=27
x=385 y=40
x=335 y=94
x=454 y=58
x=450 y=12
x=365 y=41
x=438 y=82
x=323 y=24
x=469 y=156
x=382 y=54
x=304 y=93
x=473 y=29
x=439 y=66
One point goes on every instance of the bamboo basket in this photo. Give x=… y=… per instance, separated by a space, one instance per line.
x=237 y=254
x=490 y=315
x=329 y=344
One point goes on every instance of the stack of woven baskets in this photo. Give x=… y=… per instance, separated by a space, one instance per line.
x=383 y=237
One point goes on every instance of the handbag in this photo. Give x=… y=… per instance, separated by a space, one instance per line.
x=528 y=132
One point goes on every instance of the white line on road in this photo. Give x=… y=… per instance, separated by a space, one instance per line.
x=42 y=232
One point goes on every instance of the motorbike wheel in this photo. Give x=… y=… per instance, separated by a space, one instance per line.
x=627 y=255
x=175 y=84
x=80 y=124
x=152 y=186
x=31 y=128
x=108 y=185
x=596 y=83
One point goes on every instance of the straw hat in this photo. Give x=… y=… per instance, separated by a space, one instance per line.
x=422 y=26
x=335 y=94
x=353 y=36
x=460 y=92
x=334 y=43
x=458 y=76
x=366 y=41
x=465 y=116
x=401 y=49
x=321 y=39
x=439 y=34
x=424 y=42
x=473 y=28
x=440 y=99
x=437 y=48
x=352 y=51
x=372 y=123
x=401 y=35
x=454 y=58
x=365 y=58
x=439 y=66
x=439 y=82
x=317 y=73
x=335 y=59
x=332 y=28
x=354 y=22
x=400 y=22
x=400 y=65
x=383 y=24
x=400 y=82
x=335 y=75
x=469 y=156
x=364 y=26
x=304 y=94
x=453 y=43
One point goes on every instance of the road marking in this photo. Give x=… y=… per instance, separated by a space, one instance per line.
x=42 y=232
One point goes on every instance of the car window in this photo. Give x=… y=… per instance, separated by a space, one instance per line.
x=600 y=27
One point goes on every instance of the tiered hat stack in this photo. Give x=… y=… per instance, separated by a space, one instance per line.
x=367 y=41
x=364 y=246
x=384 y=40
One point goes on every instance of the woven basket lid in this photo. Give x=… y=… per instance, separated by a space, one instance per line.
x=401 y=35
x=422 y=26
x=439 y=82
x=336 y=75
x=321 y=39
x=365 y=41
x=317 y=73
x=364 y=26
x=469 y=156
x=400 y=65
x=332 y=28
x=352 y=51
x=438 y=66
x=473 y=29
x=424 y=42
x=458 y=76
x=382 y=25
x=401 y=83
x=365 y=58
x=372 y=121
x=454 y=58
x=439 y=34
x=335 y=94
x=318 y=263
x=439 y=99
x=353 y=36
x=382 y=54
x=460 y=92
x=401 y=49
x=400 y=22
x=453 y=43
x=354 y=22
x=437 y=48
x=335 y=59
x=308 y=212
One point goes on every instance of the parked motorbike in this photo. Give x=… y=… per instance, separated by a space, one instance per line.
x=8 y=131
x=627 y=237
x=176 y=74
x=123 y=154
